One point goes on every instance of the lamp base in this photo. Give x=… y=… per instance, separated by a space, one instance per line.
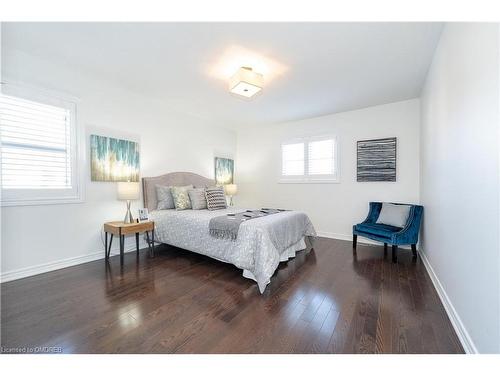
x=128 y=216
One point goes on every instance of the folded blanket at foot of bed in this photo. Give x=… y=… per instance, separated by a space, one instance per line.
x=227 y=226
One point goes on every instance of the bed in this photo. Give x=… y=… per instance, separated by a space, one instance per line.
x=261 y=244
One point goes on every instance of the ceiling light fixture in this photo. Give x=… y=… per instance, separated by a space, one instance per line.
x=246 y=82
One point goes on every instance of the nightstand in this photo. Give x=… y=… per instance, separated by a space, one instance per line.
x=119 y=228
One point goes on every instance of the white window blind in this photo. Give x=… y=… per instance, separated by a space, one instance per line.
x=321 y=157
x=292 y=159
x=313 y=159
x=36 y=145
x=40 y=151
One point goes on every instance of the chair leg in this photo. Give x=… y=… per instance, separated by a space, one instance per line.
x=385 y=249
x=414 y=249
x=354 y=243
x=394 y=253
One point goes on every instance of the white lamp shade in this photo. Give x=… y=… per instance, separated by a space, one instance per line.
x=231 y=189
x=128 y=191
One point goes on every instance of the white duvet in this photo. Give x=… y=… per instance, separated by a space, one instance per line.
x=261 y=244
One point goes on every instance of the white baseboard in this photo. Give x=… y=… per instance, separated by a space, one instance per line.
x=348 y=237
x=461 y=331
x=337 y=236
x=56 y=265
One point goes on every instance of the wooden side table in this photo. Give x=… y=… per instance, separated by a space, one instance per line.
x=119 y=228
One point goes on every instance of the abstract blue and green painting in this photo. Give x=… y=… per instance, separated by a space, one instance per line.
x=113 y=159
x=224 y=170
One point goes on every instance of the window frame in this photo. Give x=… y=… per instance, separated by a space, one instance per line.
x=306 y=178
x=25 y=197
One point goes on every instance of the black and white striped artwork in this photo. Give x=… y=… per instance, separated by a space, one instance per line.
x=377 y=160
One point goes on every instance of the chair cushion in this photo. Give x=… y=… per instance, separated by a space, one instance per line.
x=394 y=214
x=382 y=230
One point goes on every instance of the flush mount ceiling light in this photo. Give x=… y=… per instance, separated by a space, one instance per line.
x=230 y=67
x=246 y=82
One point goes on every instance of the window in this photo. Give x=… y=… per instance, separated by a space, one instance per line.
x=39 y=156
x=312 y=160
x=293 y=159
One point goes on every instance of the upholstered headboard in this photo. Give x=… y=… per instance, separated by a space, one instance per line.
x=170 y=179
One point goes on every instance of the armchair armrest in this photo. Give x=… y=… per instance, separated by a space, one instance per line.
x=409 y=234
x=374 y=212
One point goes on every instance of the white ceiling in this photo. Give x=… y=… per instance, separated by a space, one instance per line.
x=316 y=68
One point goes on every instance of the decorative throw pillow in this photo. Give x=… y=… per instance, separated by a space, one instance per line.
x=394 y=214
x=216 y=200
x=198 y=199
x=181 y=197
x=164 y=198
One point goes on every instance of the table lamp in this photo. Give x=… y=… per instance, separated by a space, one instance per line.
x=128 y=191
x=231 y=190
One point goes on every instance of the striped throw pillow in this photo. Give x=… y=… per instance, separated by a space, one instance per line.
x=216 y=200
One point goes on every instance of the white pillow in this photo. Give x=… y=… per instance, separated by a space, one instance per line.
x=394 y=214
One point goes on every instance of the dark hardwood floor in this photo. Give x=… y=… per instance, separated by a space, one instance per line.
x=323 y=301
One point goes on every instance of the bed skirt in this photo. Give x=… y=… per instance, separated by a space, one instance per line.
x=288 y=253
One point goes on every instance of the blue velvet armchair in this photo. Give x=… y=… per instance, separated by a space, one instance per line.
x=395 y=236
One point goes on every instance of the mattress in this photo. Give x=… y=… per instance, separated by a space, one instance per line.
x=261 y=244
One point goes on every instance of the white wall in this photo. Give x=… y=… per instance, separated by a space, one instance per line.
x=169 y=141
x=460 y=178
x=333 y=208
